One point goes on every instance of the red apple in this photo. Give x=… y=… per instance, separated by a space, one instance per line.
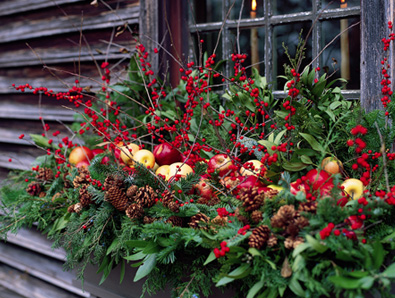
x=166 y=154
x=105 y=160
x=319 y=181
x=250 y=182
x=79 y=154
x=204 y=189
x=221 y=163
x=83 y=164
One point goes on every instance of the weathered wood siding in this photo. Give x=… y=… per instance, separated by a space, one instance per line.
x=68 y=35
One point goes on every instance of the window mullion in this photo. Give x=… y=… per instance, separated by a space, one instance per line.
x=268 y=41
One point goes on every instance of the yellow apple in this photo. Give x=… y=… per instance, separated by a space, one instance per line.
x=145 y=157
x=128 y=152
x=353 y=187
x=164 y=171
x=275 y=187
x=179 y=168
x=156 y=166
x=252 y=167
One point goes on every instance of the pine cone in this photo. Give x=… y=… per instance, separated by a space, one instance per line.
x=85 y=197
x=131 y=191
x=77 y=207
x=252 y=199
x=135 y=211
x=57 y=196
x=256 y=216
x=42 y=194
x=270 y=194
x=34 y=188
x=284 y=216
x=220 y=221
x=148 y=220
x=146 y=196
x=199 y=219
x=82 y=178
x=173 y=206
x=66 y=182
x=117 y=197
x=292 y=242
x=309 y=206
x=167 y=197
x=272 y=241
x=301 y=222
x=176 y=221
x=244 y=220
x=44 y=175
x=111 y=181
x=70 y=209
x=259 y=237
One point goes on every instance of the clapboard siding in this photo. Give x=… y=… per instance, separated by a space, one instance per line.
x=46 y=43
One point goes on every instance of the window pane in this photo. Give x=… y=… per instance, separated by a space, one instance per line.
x=251 y=9
x=288 y=35
x=331 y=4
x=206 y=11
x=291 y=6
x=252 y=43
x=207 y=46
x=342 y=57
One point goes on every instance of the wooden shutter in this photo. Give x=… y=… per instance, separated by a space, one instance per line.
x=37 y=37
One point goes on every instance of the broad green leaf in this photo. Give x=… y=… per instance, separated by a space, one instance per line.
x=146 y=268
x=254 y=252
x=255 y=289
x=313 y=142
x=112 y=246
x=345 y=282
x=106 y=271
x=238 y=273
x=390 y=271
x=378 y=255
x=295 y=287
x=293 y=166
x=136 y=243
x=279 y=136
x=357 y=273
x=305 y=159
x=39 y=140
x=315 y=244
x=135 y=257
x=211 y=257
x=268 y=145
x=122 y=272
x=300 y=248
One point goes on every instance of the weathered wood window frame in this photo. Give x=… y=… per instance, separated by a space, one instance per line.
x=269 y=21
x=374 y=15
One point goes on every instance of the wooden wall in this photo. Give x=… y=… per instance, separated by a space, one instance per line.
x=35 y=36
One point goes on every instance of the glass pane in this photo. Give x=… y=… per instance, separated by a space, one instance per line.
x=291 y=6
x=205 y=43
x=331 y=4
x=342 y=57
x=251 y=9
x=206 y=11
x=252 y=43
x=288 y=36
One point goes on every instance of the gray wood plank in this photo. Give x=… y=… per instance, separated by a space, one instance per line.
x=21 y=284
x=25 y=30
x=40 y=267
x=18 y=6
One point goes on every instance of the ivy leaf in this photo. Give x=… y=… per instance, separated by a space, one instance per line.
x=146 y=268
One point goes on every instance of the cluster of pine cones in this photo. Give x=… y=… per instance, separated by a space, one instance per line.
x=44 y=176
